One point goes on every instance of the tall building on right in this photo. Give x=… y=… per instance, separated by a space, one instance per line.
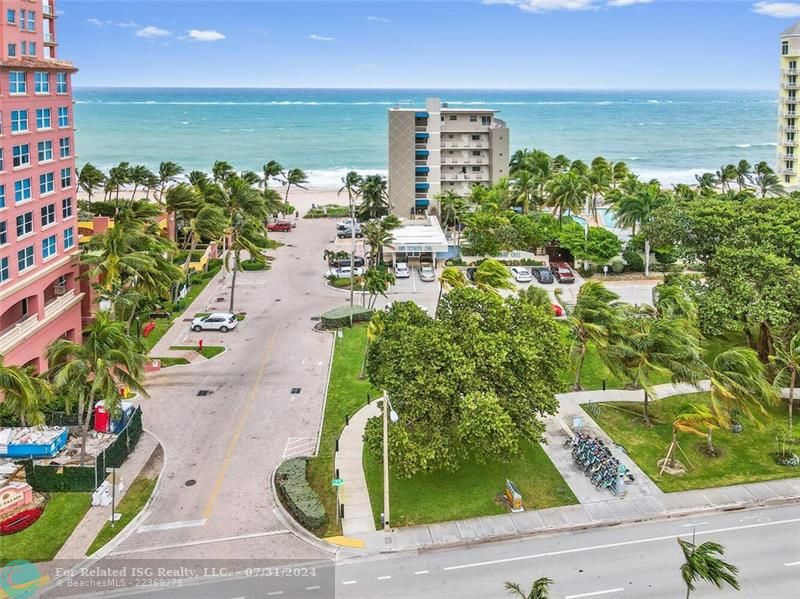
x=787 y=105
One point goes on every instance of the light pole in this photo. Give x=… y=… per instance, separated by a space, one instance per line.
x=386 y=415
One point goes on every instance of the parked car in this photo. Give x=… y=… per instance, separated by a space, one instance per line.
x=542 y=274
x=521 y=275
x=562 y=272
x=218 y=321
x=346 y=224
x=558 y=310
x=280 y=225
x=346 y=262
x=348 y=232
x=345 y=272
x=401 y=270
x=427 y=273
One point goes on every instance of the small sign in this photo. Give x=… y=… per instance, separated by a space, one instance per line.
x=514 y=497
x=338 y=482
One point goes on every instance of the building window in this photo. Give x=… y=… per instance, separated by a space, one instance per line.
x=473 y=118
x=11 y=16
x=66 y=208
x=784 y=48
x=61 y=83
x=21 y=155
x=48 y=215
x=2 y=196
x=24 y=224
x=3 y=270
x=486 y=120
x=64 y=147
x=43 y=118
x=19 y=121
x=41 y=83
x=63 y=116
x=45 y=150
x=3 y=232
x=46 y=183
x=12 y=50
x=476 y=152
x=453 y=117
x=476 y=138
x=69 y=238
x=23 y=23
x=31 y=20
x=66 y=178
x=17 y=83
x=31 y=48
x=22 y=190
x=2 y=161
x=787 y=179
x=49 y=247
x=476 y=169
x=25 y=258
x=24 y=46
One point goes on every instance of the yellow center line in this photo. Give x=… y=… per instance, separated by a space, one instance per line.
x=223 y=469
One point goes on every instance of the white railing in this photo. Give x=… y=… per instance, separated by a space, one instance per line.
x=59 y=304
x=465 y=145
x=790 y=71
x=466 y=177
x=47 y=8
x=12 y=335
x=49 y=38
x=788 y=128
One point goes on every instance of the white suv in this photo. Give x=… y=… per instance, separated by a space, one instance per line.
x=219 y=321
x=401 y=270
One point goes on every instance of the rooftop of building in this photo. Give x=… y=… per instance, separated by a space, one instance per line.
x=26 y=62
x=793 y=30
x=419 y=232
x=446 y=109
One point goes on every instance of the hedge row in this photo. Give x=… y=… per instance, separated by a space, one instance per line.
x=338 y=322
x=253 y=265
x=297 y=496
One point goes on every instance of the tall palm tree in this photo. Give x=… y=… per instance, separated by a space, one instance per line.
x=706 y=182
x=95 y=370
x=90 y=178
x=524 y=187
x=23 y=393
x=703 y=563
x=536 y=296
x=168 y=172
x=351 y=183
x=787 y=359
x=221 y=171
x=600 y=178
x=492 y=275
x=672 y=301
x=594 y=315
x=697 y=419
x=294 y=177
x=725 y=176
x=452 y=278
x=637 y=210
x=118 y=177
x=271 y=170
x=377 y=236
x=374 y=197
x=568 y=193
x=374 y=331
x=377 y=281
x=140 y=176
x=744 y=174
x=768 y=183
x=539 y=589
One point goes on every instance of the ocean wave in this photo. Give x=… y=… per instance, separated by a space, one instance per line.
x=766 y=144
x=670 y=176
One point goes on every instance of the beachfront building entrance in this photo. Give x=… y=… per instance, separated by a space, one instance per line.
x=416 y=242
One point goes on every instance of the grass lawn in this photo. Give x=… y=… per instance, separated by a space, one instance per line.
x=131 y=504
x=474 y=490
x=346 y=395
x=208 y=351
x=745 y=456
x=41 y=541
x=167 y=362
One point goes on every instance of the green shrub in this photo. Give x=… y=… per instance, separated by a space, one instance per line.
x=340 y=317
x=634 y=260
x=454 y=262
x=253 y=265
x=345 y=283
x=297 y=496
x=617 y=266
x=328 y=211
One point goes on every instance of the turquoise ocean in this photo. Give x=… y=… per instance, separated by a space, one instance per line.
x=669 y=135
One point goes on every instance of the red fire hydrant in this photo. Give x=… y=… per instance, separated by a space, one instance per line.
x=200 y=345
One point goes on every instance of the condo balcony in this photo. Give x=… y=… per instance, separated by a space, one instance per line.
x=790 y=71
x=465 y=145
x=47 y=9
x=790 y=101
x=49 y=38
x=465 y=177
x=788 y=128
x=792 y=85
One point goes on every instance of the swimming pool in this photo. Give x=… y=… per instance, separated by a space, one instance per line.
x=609 y=219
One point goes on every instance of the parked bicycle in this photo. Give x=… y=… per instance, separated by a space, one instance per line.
x=597 y=461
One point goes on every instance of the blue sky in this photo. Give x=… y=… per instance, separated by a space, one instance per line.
x=546 y=44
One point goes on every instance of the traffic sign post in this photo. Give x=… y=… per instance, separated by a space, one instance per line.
x=338 y=482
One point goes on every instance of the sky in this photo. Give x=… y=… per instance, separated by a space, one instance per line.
x=475 y=44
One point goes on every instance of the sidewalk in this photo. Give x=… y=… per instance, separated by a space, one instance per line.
x=84 y=534
x=358 y=517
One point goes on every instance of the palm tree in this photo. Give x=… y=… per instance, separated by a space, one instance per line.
x=600 y=177
x=787 y=359
x=118 y=177
x=294 y=177
x=23 y=393
x=523 y=190
x=594 y=315
x=140 y=176
x=351 y=183
x=706 y=182
x=703 y=563
x=452 y=278
x=90 y=179
x=374 y=197
x=221 y=171
x=568 y=193
x=697 y=419
x=377 y=281
x=539 y=589
x=725 y=175
x=536 y=296
x=744 y=174
x=672 y=301
x=637 y=210
x=768 y=183
x=377 y=236
x=374 y=330
x=95 y=370
x=271 y=170
x=168 y=172
x=492 y=275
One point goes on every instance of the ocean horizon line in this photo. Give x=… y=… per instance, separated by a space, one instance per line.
x=429 y=89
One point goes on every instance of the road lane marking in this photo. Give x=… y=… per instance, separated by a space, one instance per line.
x=299 y=446
x=273 y=593
x=314 y=588
x=240 y=424
x=350 y=582
x=595 y=593
x=384 y=577
x=170 y=525
x=418 y=572
x=789 y=564
x=609 y=545
x=253 y=535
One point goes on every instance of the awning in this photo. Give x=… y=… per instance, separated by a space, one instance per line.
x=422 y=153
x=422 y=203
x=422 y=170
x=422 y=186
x=421 y=115
x=421 y=135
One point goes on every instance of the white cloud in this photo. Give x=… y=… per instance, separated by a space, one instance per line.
x=127 y=25
x=102 y=23
x=378 y=19
x=98 y=22
x=203 y=35
x=547 y=5
x=320 y=38
x=782 y=10
x=152 y=31
x=627 y=2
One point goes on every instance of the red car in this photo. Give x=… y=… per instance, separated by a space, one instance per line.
x=280 y=225
x=558 y=310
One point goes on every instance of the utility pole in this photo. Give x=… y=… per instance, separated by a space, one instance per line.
x=386 y=527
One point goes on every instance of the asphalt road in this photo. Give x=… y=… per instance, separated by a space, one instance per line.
x=637 y=561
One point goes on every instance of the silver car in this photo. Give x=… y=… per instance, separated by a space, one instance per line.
x=427 y=273
x=521 y=275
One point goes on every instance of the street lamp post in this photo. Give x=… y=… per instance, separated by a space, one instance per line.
x=386 y=415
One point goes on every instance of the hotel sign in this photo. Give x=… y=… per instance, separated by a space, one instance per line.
x=414 y=248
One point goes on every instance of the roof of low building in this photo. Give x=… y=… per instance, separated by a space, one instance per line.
x=419 y=232
x=793 y=30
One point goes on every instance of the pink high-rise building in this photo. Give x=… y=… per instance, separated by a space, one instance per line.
x=40 y=299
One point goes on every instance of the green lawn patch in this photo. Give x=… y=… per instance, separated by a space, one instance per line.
x=346 y=395
x=41 y=541
x=208 y=351
x=131 y=504
x=167 y=362
x=745 y=456
x=473 y=490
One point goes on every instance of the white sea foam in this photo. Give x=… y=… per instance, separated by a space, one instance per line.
x=328 y=179
x=670 y=176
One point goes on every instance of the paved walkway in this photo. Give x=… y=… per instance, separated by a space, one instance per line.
x=358 y=517
x=84 y=534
